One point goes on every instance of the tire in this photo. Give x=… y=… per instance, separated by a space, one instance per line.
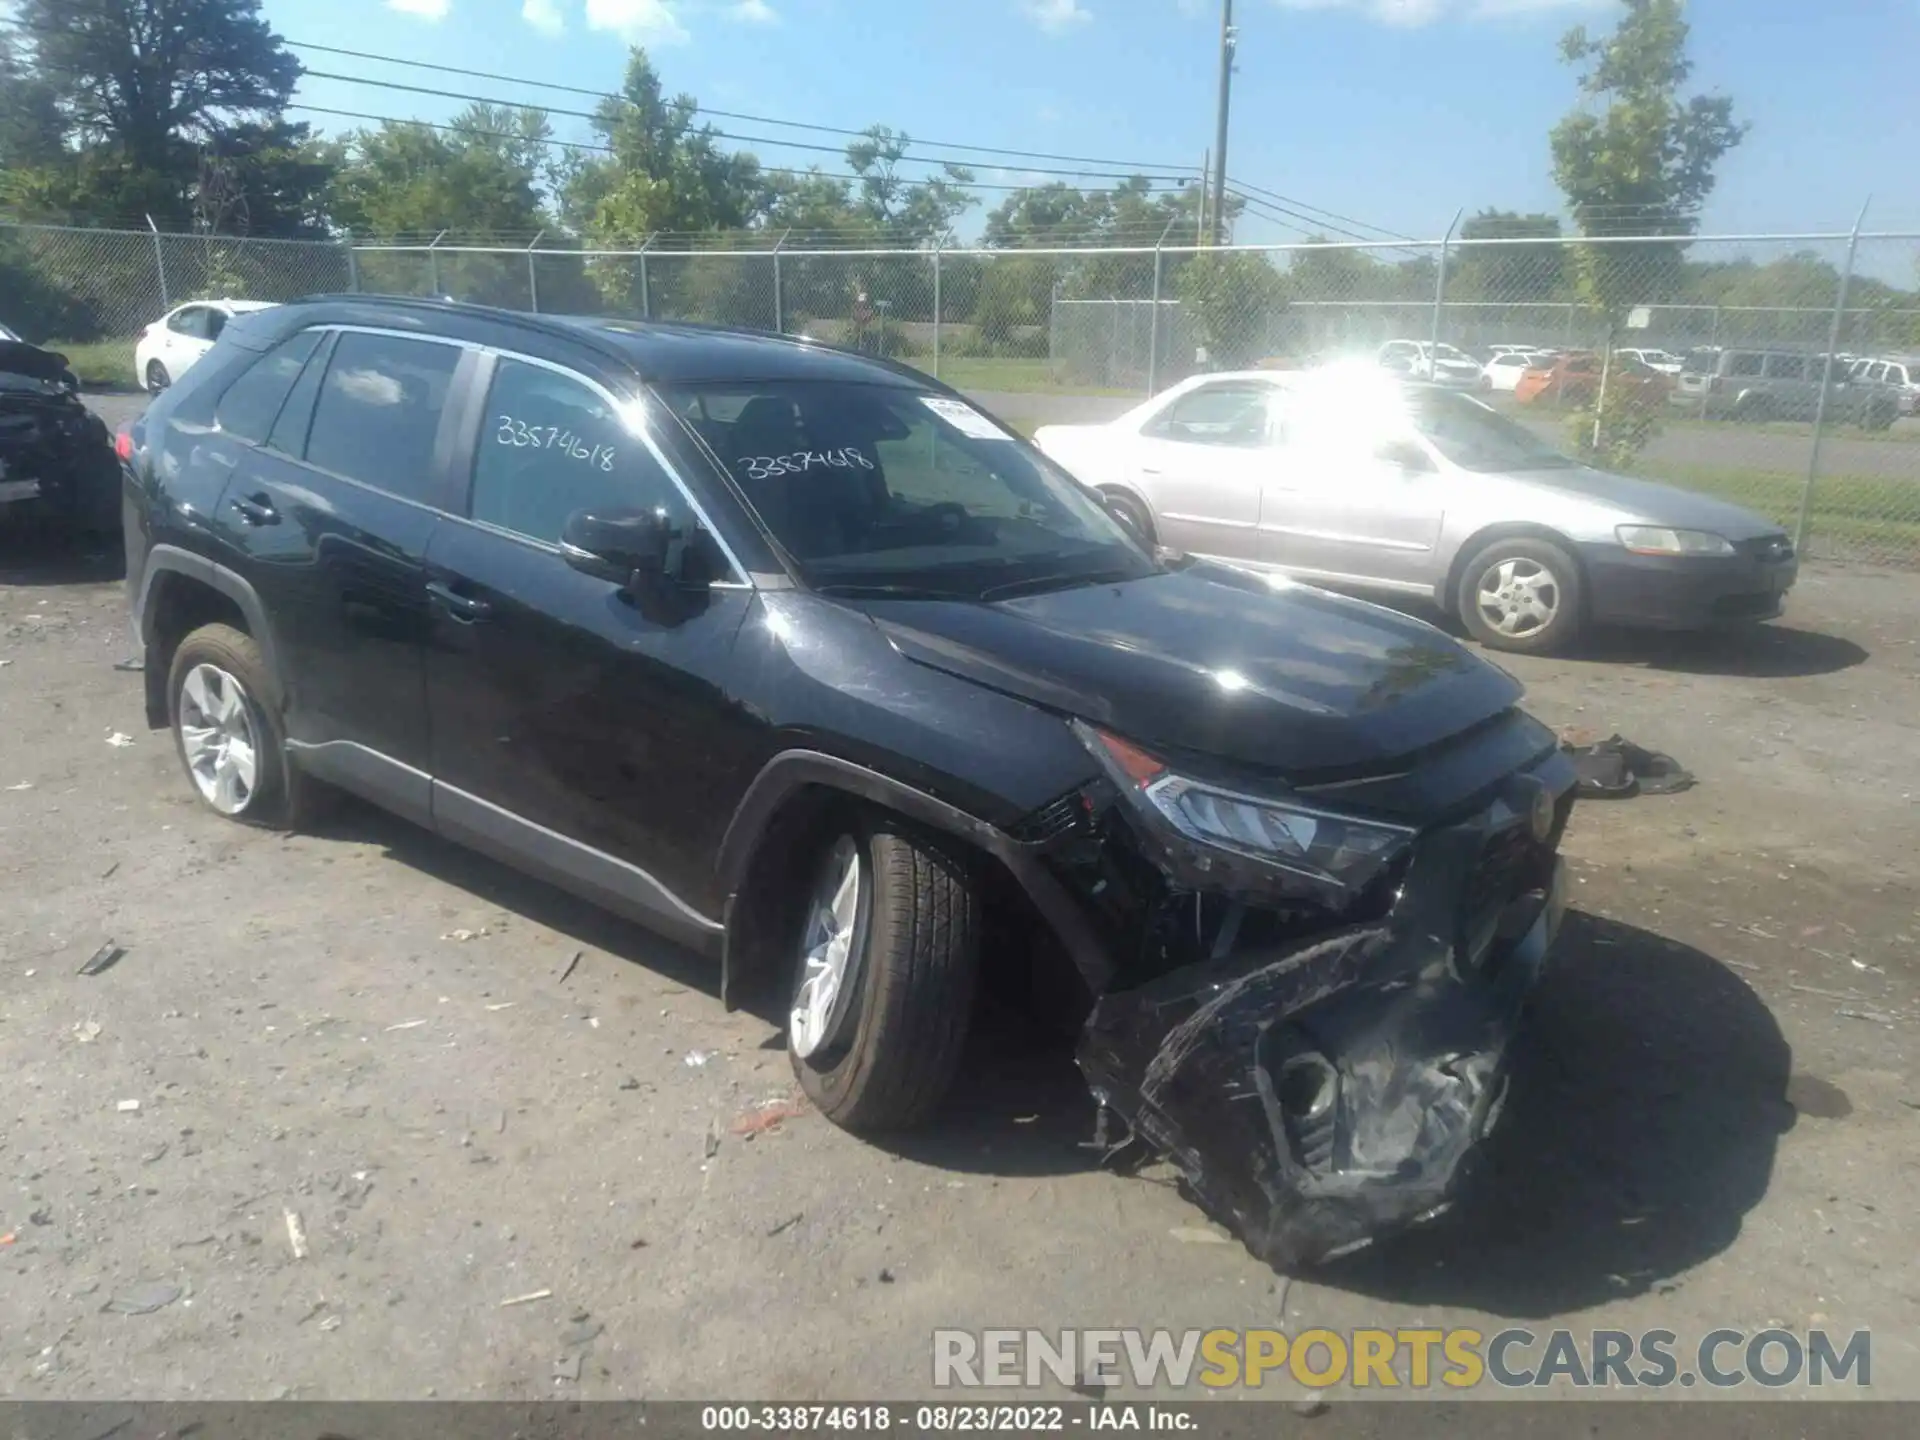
x=886 y=1054
x=157 y=377
x=1490 y=597
x=1130 y=513
x=274 y=795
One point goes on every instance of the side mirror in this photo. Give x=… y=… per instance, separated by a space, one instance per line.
x=628 y=547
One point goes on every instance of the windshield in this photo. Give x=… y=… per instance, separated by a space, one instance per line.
x=881 y=490
x=1347 y=417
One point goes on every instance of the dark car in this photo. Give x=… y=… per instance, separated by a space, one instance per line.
x=800 y=659
x=56 y=457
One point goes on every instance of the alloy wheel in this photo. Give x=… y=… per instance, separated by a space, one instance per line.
x=1518 y=597
x=218 y=738
x=832 y=947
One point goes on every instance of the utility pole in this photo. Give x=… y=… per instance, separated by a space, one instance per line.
x=1227 y=41
x=1200 y=213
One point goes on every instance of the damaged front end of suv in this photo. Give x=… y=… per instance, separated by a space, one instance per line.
x=56 y=457
x=1311 y=1015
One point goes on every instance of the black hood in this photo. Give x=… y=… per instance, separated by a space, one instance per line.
x=1213 y=660
x=19 y=358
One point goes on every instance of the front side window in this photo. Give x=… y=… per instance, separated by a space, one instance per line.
x=1786 y=367
x=378 y=411
x=902 y=491
x=551 y=446
x=190 y=321
x=252 y=402
x=1744 y=364
x=1215 y=415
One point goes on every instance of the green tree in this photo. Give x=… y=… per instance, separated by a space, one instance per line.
x=1637 y=157
x=1509 y=274
x=143 y=90
x=408 y=179
x=1236 y=297
x=917 y=210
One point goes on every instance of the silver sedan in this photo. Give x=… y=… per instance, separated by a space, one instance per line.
x=1344 y=478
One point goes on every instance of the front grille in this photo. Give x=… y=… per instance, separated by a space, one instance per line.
x=1499 y=876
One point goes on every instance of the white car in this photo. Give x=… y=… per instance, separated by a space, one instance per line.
x=1900 y=372
x=1504 y=370
x=1422 y=360
x=1665 y=361
x=168 y=347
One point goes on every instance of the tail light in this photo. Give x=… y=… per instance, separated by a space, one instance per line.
x=123 y=445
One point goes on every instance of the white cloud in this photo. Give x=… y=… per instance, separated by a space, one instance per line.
x=422 y=9
x=544 y=16
x=1411 y=14
x=652 y=21
x=753 y=12
x=1056 y=17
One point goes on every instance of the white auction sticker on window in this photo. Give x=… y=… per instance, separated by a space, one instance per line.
x=964 y=418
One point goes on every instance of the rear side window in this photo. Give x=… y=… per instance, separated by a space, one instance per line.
x=1744 y=364
x=1216 y=415
x=1786 y=367
x=379 y=410
x=550 y=446
x=252 y=402
x=191 y=321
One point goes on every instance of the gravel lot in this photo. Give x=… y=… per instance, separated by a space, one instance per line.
x=1713 y=1122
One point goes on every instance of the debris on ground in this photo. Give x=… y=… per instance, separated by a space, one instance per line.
x=144 y=1299
x=886 y=1277
x=103 y=959
x=1198 y=1235
x=567 y=1368
x=581 y=1333
x=526 y=1299
x=694 y=1059
x=781 y=1227
x=463 y=934
x=1618 y=769
x=127 y=1107
x=405 y=1025
x=296 y=1236
x=572 y=965
x=87 y=1031
x=713 y=1138
x=8 y=1238
x=766 y=1116
x=130 y=667
x=107 y=874
x=120 y=740
x=332 y=1322
x=23 y=785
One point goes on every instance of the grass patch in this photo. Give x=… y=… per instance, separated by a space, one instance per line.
x=1024 y=377
x=98 y=362
x=1865 y=516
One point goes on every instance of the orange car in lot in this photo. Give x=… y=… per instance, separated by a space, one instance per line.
x=1574 y=379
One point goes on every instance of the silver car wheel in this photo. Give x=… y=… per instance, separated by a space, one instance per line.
x=833 y=947
x=1518 y=597
x=218 y=739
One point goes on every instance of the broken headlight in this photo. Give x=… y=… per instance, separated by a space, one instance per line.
x=1336 y=850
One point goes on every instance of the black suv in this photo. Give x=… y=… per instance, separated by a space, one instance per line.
x=797 y=657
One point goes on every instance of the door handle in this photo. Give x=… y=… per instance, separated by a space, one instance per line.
x=463 y=608
x=257 y=509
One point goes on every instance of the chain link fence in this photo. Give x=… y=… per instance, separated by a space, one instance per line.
x=1773 y=371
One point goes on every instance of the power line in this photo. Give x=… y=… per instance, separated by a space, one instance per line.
x=1295 y=206
x=590 y=146
x=1128 y=165
x=720 y=134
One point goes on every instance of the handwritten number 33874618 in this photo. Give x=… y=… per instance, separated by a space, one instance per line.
x=550 y=437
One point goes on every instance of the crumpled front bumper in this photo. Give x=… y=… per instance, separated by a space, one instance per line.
x=1316 y=1096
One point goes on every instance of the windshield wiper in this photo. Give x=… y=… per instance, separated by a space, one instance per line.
x=857 y=590
x=1040 y=584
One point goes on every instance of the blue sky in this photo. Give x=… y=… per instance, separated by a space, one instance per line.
x=1397 y=112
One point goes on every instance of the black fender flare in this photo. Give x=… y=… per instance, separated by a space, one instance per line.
x=163 y=560
x=793 y=770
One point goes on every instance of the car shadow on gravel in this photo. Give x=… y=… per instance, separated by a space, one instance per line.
x=531 y=899
x=1647 y=1100
x=34 y=553
x=1762 y=652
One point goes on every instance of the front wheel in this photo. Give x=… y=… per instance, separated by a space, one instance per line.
x=1130 y=513
x=1521 y=595
x=157 y=377
x=884 y=979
